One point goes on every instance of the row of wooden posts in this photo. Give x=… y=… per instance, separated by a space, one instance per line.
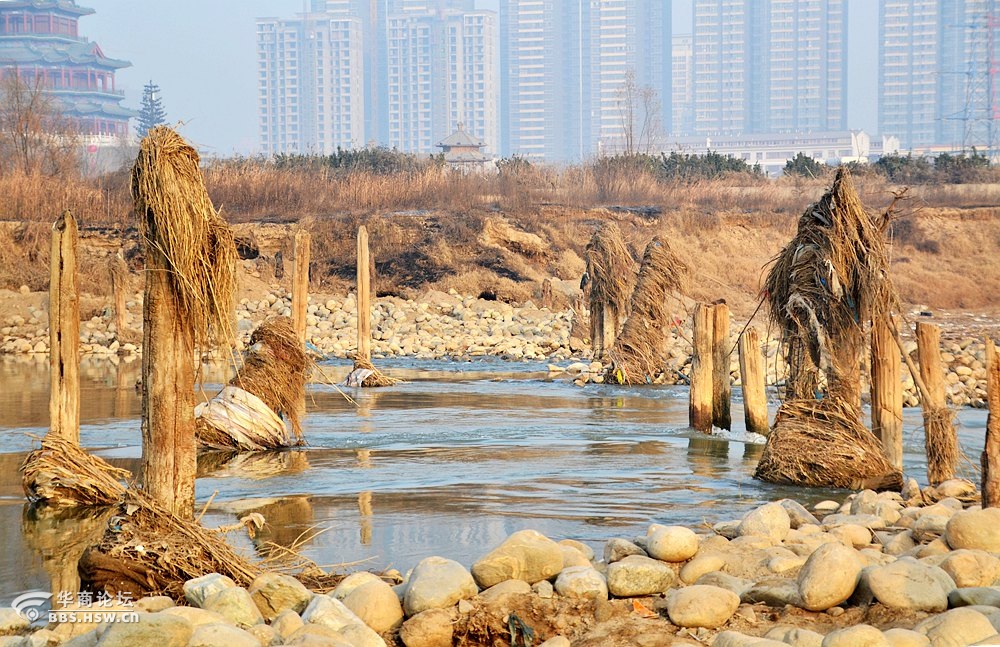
x=710 y=392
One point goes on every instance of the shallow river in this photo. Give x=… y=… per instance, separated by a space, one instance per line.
x=449 y=464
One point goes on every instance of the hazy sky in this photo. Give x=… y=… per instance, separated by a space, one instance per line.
x=202 y=55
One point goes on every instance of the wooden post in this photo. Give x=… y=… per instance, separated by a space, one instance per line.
x=64 y=332
x=119 y=292
x=364 y=297
x=700 y=410
x=991 y=452
x=168 y=443
x=300 y=284
x=941 y=442
x=887 y=393
x=721 y=387
x=752 y=377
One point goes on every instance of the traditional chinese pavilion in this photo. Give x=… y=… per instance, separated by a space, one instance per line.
x=39 y=39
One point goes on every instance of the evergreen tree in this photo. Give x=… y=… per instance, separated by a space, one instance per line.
x=152 y=113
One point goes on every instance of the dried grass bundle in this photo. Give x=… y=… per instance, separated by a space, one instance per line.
x=940 y=443
x=275 y=369
x=822 y=443
x=177 y=219
x=824 y=286
x=61 y=474
x=149 y=551
x=640 y=352
x=611 y=269
x=369 y=376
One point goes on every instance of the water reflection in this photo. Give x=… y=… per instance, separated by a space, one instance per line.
x=252 y=465
x=708 y=457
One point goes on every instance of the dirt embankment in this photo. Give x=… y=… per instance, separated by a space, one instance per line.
x=942 y=258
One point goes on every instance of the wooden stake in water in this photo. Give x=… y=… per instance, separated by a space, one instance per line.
x=64 y=332
x=752 y=377
x=364 y=297
x=991 y=452
x=169 y=452
x=700 y=410
x=941 y=441
x=721 y=387
x=887 y=393
x=300 y=283
x=119 y=293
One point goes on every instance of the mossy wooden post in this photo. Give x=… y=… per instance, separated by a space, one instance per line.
x=364 y=297
x=941 y=441
x=168 y=441
x=991 y=452
x=119 y=293
x=64 y=332
x=721 y=388
x=300 y=284
x=700 y=410
x=752 y=378
x=887 y=393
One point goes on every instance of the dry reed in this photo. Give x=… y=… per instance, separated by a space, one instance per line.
x=373 y=378
x=61 y=474
x=611 y=269
x=149 y=551
x=177 y=218
x=275 y=369
x=640 y=352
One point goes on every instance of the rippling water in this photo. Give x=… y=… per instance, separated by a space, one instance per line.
x=449 y=463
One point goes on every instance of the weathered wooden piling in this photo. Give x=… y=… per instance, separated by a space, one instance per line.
x=721 y=348
x=119 y=294
x=752 y=377
x=887 y=392
x=364 y=297
x=941 y=441
x=990 y=458
x=64 y=332
x=700 y=410
x=300 y=283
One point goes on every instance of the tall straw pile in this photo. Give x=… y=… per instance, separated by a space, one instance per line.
x=275 y=369
x=176 y=217
x=149 y=551
x=825 y=285
x=611 y=272
x=640 y=352
x=63 y=475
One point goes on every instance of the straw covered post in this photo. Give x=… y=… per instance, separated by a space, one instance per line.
x=64 y=332
x=753 y=380
x=721 y=387
x=824 y=286
x=640 y=353
x=940 y=440
x=990 y=458
x=611 y=277
x=887 y=393
x=700 y=408
x=189 y=302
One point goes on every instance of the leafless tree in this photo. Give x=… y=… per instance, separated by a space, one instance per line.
x=35 y=137
x=639 y=110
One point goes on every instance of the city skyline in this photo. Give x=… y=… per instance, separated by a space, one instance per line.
x=203 y=84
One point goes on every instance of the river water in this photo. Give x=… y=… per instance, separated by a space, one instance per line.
x=448 y=463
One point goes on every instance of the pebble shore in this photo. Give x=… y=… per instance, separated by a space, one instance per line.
x=441 y=325
x=922 y=565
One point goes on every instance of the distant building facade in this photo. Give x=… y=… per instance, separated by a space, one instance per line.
x=681 y=98
x=775 y=66
x=937 y=73
x=40 y=43
x=564 y=69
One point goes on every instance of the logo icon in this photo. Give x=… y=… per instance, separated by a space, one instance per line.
x=30 y=605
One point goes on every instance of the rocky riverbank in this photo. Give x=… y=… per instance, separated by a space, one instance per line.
x=888 y=569
x=440 y=325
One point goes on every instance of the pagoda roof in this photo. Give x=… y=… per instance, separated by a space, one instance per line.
x=460 y=139
x=87 y=107
x=43 y=50
x=65 y=6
